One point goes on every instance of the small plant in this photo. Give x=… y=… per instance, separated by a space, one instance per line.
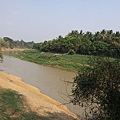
x=71 y=52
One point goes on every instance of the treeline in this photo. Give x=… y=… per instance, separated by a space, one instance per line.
x=7 y=42
x=105 y=42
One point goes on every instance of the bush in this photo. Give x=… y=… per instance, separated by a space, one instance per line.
x=71 y=52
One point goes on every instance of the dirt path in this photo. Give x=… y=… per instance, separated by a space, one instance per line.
x=37 y=101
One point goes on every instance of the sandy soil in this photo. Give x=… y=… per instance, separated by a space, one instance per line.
x=14 y=49
x=37 y=101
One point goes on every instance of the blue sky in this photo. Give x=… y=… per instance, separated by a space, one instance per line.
x=40 y=20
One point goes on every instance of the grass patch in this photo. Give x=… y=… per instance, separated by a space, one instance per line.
x=12 y=107
x=63 y=61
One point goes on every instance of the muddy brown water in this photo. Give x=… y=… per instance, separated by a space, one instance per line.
x=49 y=80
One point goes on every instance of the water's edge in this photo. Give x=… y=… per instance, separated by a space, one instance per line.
x=49 y=80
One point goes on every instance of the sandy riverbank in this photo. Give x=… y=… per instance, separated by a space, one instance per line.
x=14 y=49
x=37 y=101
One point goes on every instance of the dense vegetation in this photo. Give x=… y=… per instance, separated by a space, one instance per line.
x=12 y=107
x=105 y=42
x=97 y=90
x=7 y=42
x=63 y=61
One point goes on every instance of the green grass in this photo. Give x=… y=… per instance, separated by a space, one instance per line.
x=63 y=61
x=12 y=107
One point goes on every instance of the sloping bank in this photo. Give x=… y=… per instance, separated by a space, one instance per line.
x=37 y=101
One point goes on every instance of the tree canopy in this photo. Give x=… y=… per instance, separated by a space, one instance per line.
x=10 y=43
x=97 y=89
x=105 y=42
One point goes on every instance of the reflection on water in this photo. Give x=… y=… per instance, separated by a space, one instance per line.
x=48 y=80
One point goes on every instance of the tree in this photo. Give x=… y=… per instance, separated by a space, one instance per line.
x=97 y=90
x=1 y=56
x=105 y=42
x=85 y=47
x=101 y=47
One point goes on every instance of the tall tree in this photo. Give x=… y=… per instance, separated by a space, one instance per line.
x=97 y=90
x=104 y=43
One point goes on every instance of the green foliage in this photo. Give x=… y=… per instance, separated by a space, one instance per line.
x=71 y=52
x=63 y=61
x=1 y=55
x=85 y=47
x=101 y=47
x=97 y=89
x=10 y=43
x=105 y=43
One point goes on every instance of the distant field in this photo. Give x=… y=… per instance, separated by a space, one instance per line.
x=63 y=61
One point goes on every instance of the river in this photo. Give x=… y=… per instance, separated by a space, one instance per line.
x=49 y=80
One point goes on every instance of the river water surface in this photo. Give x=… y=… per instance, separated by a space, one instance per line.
x=49 y=80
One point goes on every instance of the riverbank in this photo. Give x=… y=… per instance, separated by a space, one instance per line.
x=14 y=49
x=37 y=101
x=66 y=62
